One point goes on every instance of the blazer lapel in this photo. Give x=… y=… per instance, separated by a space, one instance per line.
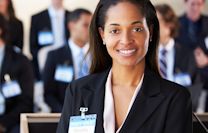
x=94 y=99
x=67 y=34
x=68 y=53
x=68 y=56
x=181 y=57
x=176 y=59
x=5 y=64
x=146 y=102
x=48 y=20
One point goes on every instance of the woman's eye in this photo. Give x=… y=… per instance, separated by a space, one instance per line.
x=115 y=31
x=138 y=29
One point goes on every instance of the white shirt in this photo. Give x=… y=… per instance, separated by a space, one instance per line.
x=170 y=58
x=58 y=25
x=1 y=56
x=75 y=50
x=109 y=112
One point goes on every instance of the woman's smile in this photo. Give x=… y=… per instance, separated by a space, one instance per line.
x=127 y=52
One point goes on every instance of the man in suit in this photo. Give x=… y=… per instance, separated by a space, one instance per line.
x=49 y=27
x=193 y=26
x=174 y=64
x=16 y=84
x=193 y=34
x=63 y=64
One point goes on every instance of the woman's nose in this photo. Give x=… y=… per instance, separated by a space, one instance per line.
x=126 y=38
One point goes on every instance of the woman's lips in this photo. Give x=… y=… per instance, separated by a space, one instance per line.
x=126 y=52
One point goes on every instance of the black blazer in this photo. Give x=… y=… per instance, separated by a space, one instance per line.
x=184 y=60
x=41 y=22
x=185 y=63
x=15 y=27
x=160 y=107
x=55 y=90
x=20 y=69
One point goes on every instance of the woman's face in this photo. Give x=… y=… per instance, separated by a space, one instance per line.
x=126 y=34
x=3 y=6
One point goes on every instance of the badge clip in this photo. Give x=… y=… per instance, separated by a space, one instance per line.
x=7 y=78
x=83 y=110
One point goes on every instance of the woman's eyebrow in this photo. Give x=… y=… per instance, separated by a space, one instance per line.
x=114 y=24
x=136 y=22
x=133 y=23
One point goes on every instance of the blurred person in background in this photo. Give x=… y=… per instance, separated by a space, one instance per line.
x=68 y=62
x=193 y=34
x=176 y=61
x=48 y=27
x=15 y=26
x=16 y=83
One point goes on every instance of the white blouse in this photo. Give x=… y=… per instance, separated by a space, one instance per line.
x=109 y=112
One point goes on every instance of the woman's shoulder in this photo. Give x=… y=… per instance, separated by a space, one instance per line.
x=170 y=88
x=166 y=87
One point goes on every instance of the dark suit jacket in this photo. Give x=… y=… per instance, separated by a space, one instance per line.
x=16 y=33
x=204 y=77
x=19 y=68
x=41 y=22
x=185 y=39
x=185 y=63
x=160 y=107
x=55 y=90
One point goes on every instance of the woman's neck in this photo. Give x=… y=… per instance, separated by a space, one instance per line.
x=127 y=76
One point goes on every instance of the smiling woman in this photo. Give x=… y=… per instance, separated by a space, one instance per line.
x=125 y=92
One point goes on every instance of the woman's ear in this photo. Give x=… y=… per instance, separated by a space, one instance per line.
x=101 y=32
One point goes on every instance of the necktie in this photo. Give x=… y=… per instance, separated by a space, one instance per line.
x=163 y=63
x=83 y=66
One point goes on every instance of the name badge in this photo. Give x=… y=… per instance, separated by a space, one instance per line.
x=80 y=124
x=64 y=73
x=206 y=42
x=183 y=79
x=11 y=89
x=45 y=38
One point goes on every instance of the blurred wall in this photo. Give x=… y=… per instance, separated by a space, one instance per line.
x=26 y=8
